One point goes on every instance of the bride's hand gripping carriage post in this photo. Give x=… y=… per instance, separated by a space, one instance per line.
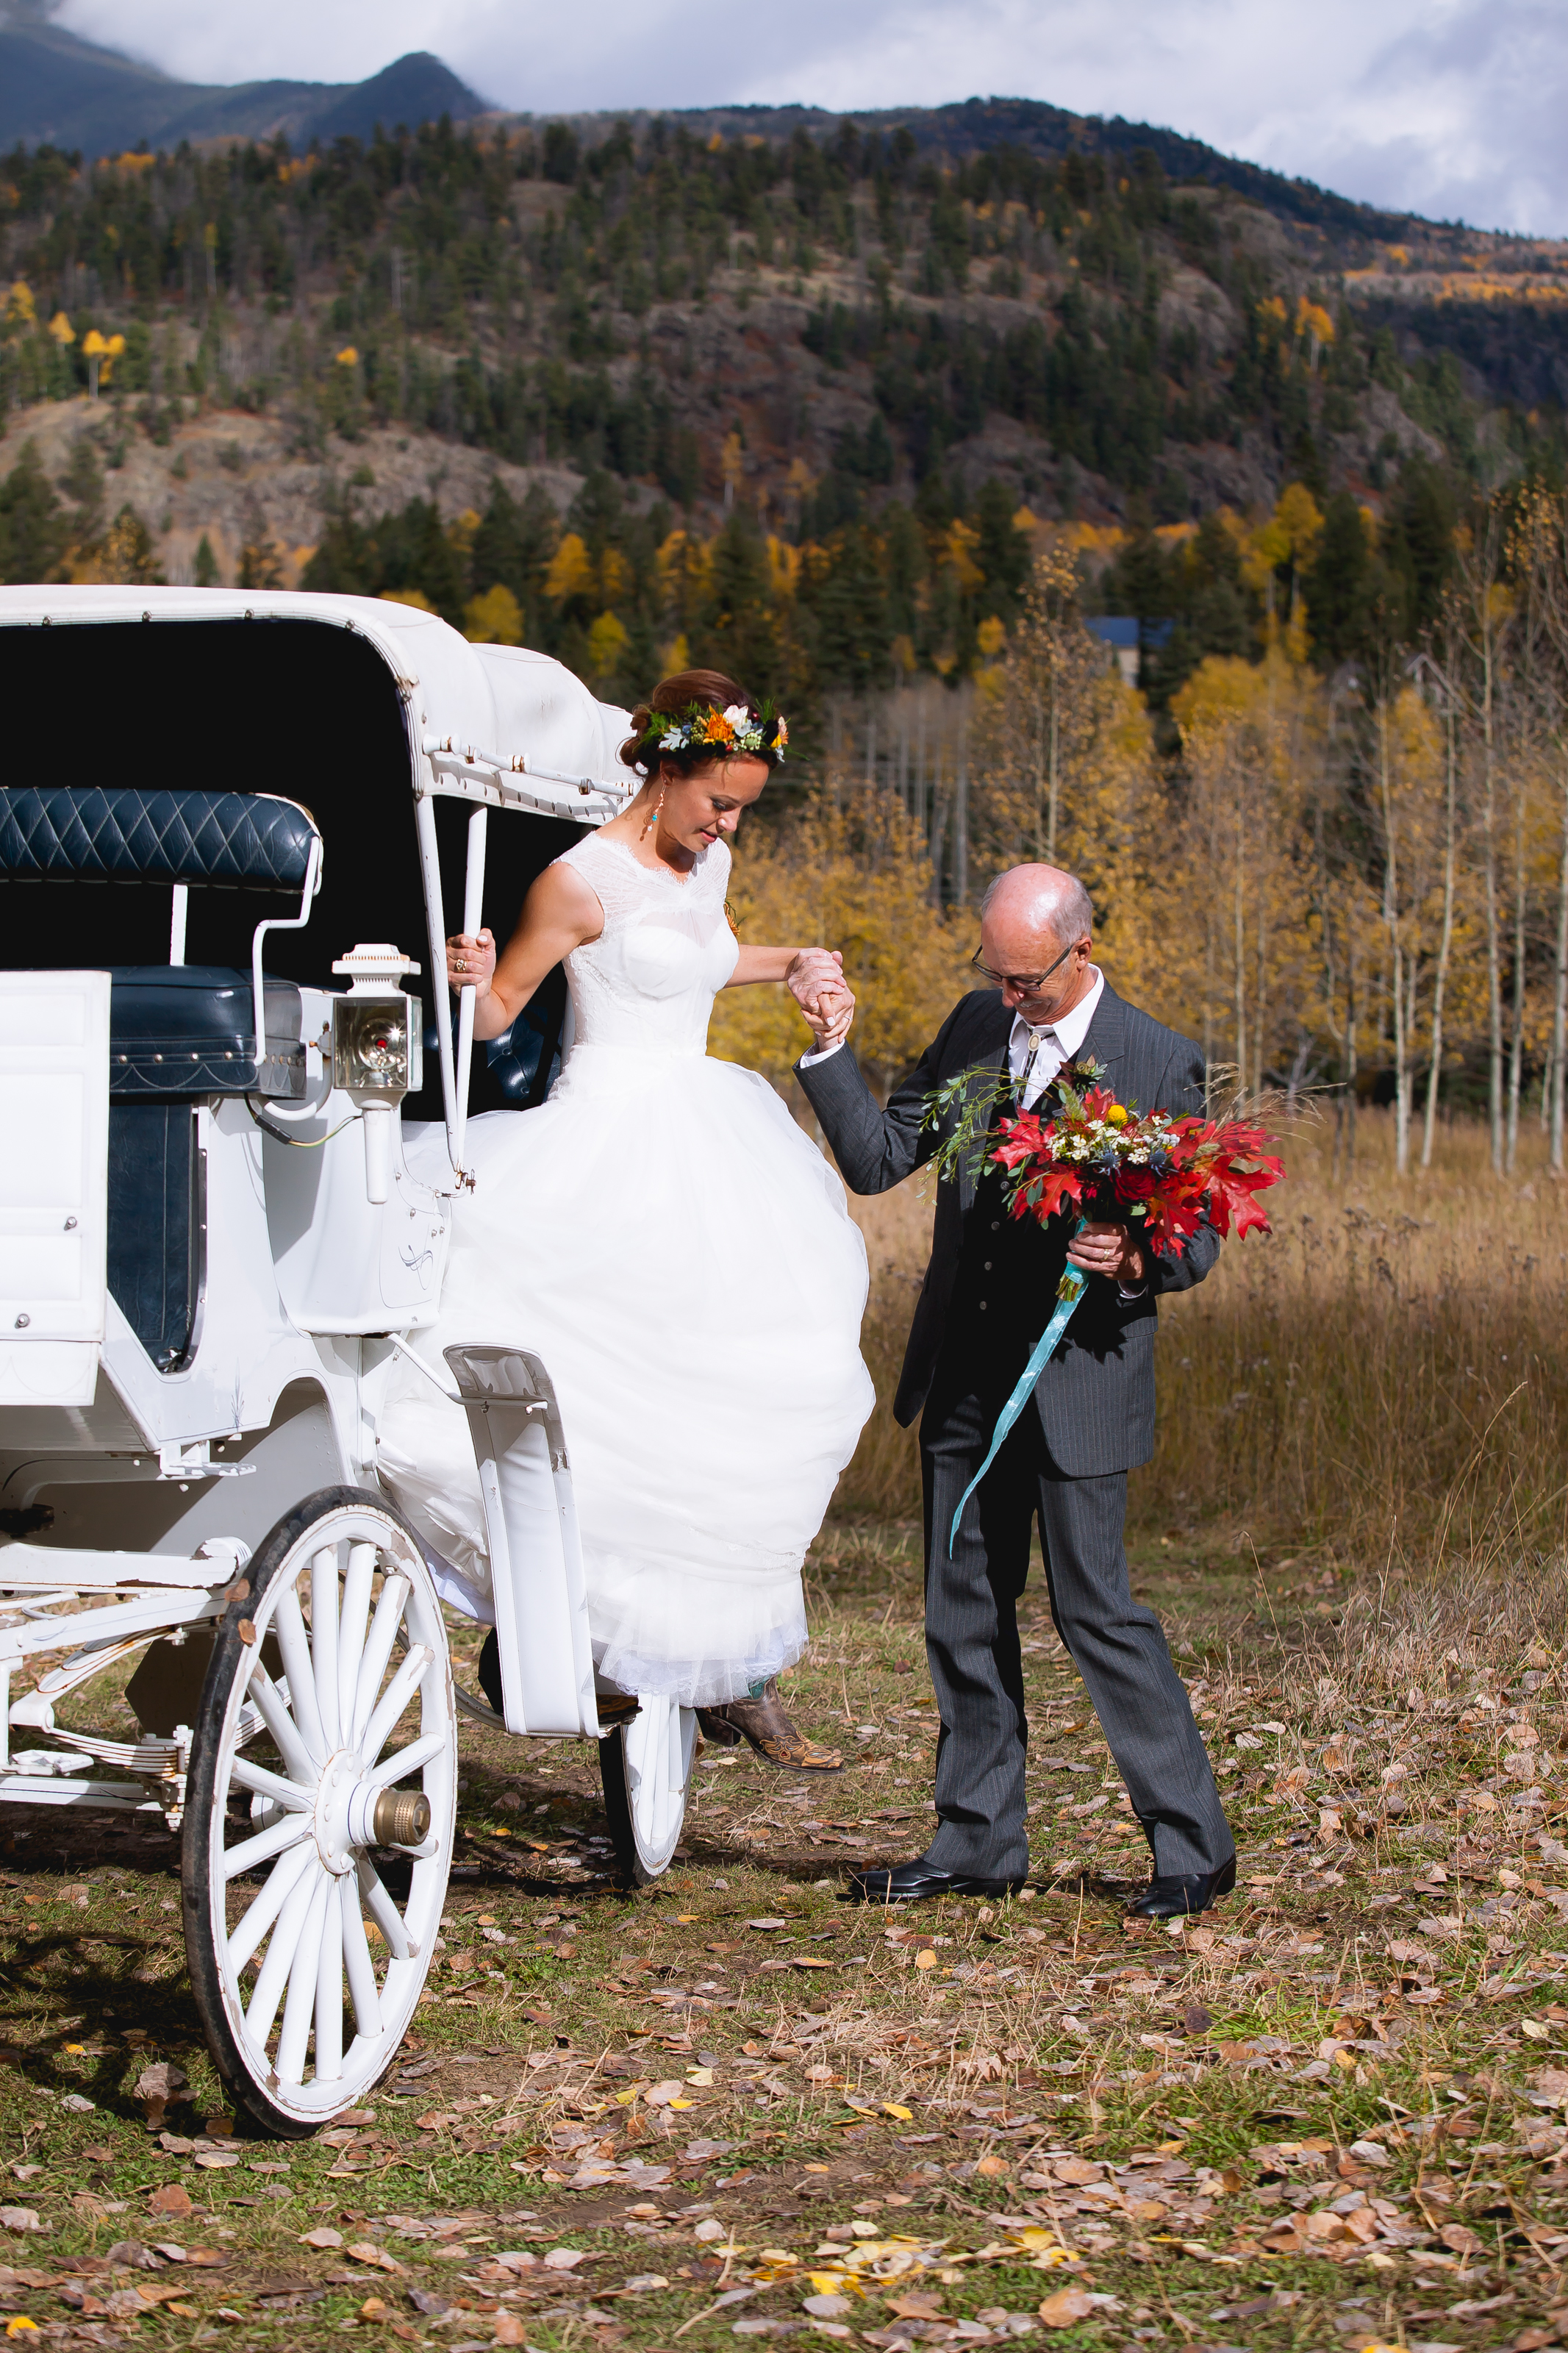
x=216 y=1247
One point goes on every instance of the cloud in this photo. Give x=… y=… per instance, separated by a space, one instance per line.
x=1448 y=107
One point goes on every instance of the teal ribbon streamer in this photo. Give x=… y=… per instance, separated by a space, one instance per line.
x=1069 y=1292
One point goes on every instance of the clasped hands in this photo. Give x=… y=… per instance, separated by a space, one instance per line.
x=815 y=978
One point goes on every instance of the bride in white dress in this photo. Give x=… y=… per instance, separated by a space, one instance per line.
x=666 y=1238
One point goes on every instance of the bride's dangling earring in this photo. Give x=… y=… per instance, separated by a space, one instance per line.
x=651 y=824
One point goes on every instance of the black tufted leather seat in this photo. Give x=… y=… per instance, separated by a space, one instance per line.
x=119 y=833
x=188 y=1030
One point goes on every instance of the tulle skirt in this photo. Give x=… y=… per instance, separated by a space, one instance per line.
x=664 y=1236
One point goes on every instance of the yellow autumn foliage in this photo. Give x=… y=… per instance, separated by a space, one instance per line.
x=571 y=572
x=853 y=877
x=493 y=620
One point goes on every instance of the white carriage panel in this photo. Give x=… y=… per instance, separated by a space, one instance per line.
x=416 y=1229
x=64 y=1426
x=54 y=1184
x=245 y=1318
x=345 y=1264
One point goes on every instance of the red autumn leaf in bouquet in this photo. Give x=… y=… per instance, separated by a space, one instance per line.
x=1228 y=1160
x=1043 y=1194
x=1173 y=1213
x=1022 y=1140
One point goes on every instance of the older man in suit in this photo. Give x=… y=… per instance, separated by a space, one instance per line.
x=988 y=1296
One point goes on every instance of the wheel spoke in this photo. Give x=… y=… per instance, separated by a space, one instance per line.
x=263 y=1784
x=266 y=1844
x=378 y=1645
x=289 y=1625
x=324 y=1639
x=394 y=1699
x=282 y=1880
x=303 y=1976
x=273 y=1975
x=384 y=1912
x=358 y=1579
x=329 y=1993
x=404 y=1761
x=357 y=1962
x=273 y=1709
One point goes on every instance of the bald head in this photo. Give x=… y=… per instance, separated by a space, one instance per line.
x=1035 y=923
x=1044 y=897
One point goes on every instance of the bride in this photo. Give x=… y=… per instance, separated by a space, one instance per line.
x=666 y=1238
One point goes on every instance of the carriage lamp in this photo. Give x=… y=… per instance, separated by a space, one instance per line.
x=375 y=1049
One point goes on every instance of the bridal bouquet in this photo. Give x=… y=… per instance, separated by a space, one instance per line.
x=1108 y=1162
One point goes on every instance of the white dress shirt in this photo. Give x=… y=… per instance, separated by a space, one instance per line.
x=1037 y=1054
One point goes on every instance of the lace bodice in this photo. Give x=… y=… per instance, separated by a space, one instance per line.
x=649 y=981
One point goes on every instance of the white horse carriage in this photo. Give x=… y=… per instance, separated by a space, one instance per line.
x=212 y=1252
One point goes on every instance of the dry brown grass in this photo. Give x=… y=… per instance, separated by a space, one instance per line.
x=1382 y=1379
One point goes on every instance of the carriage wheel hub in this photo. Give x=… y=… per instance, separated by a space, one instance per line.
x=335 y=1841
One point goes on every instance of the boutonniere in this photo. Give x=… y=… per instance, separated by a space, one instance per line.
x=1079 y=1075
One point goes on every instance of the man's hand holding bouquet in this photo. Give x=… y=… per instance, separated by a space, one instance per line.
x=1082 y=1152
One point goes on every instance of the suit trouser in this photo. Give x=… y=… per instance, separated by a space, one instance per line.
x=1118 y=1648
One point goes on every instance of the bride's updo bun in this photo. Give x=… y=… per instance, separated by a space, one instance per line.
x=686 y=696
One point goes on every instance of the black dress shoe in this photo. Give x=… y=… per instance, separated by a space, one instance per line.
x=919 y=1882
x=1167 y=1899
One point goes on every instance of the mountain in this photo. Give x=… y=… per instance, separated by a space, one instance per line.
x=800 y=392
x=59 y=89
x=973 y=126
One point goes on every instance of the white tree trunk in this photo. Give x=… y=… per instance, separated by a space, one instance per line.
x=1444 y=944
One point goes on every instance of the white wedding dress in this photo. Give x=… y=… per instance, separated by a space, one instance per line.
x=665 y=1237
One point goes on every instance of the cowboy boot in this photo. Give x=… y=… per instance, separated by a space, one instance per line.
x=763 y=1722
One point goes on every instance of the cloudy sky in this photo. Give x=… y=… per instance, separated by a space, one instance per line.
x=1452 y=108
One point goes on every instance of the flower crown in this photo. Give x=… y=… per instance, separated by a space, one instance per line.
x=700 y=727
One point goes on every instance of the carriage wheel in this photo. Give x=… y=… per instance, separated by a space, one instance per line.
x=646 y=1767
x=327 y=1731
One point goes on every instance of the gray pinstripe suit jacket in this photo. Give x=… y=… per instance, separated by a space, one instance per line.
x=1096 y=1396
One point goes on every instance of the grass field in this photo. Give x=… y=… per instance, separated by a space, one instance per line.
x=1330 y=2114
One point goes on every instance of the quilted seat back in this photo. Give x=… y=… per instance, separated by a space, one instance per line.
x=121 y=833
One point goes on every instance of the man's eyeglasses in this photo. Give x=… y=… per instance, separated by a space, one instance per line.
x=1026 y=983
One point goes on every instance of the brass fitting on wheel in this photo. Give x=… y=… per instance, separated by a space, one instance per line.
x=402 y=1818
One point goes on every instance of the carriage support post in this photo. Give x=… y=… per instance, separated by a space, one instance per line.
x=436 y=920
x=468 y=1001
